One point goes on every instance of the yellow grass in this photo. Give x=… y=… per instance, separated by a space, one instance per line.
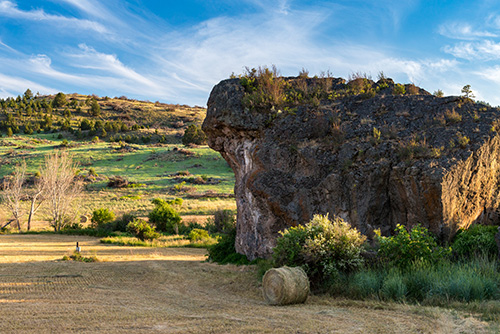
x=147 y=290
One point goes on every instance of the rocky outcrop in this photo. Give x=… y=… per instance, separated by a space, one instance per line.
x=376 y=161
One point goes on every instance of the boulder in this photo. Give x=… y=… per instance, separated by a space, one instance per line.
x=376 y=161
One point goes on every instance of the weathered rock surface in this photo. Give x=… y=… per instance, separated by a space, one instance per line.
x=436 y=162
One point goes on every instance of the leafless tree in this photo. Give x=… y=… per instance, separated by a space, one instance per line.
x=36 y=196
x=60 y=186
x=13 y=193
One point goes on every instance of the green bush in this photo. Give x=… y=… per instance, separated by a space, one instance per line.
x=121 y=224
x=224 y=252
x=406 y=248
x=198 y=234
x=399 y=89
x=194 y=135
x=142 y=230
x=101 y=216
x=164 y=217
x=323 y=247
x=478 y=240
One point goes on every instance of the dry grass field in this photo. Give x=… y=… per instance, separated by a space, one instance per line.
x=171 y=290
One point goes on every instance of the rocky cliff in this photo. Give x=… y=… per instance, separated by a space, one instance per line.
x=376 y=159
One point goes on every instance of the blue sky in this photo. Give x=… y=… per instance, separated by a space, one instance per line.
x=176 y=51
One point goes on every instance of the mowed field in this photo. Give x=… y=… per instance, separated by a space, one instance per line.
x=172 y=290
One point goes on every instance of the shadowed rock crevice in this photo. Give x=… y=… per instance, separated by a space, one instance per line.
x=375 y=161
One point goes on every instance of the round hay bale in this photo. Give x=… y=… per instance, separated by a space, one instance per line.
x=285 y=285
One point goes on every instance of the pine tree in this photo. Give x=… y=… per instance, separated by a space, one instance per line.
x=59 y=100
x=95 y=109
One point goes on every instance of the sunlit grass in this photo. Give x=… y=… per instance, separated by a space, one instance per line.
x=163 y=241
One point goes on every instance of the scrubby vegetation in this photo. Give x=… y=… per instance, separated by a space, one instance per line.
x=324 y=248
x=142 y=230
x=409 y=266
x=266 y=89
x=88 y=116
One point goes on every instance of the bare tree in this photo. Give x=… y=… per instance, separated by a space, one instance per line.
x=60 y=186
x=36 y=196
x=13 y=193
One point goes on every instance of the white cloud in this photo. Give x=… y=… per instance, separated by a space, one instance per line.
x=12 y=86
x=90 y=7
x=483 y=50
x=89 y=58
x=464 y=31
x=491 y=74
x=10 y=9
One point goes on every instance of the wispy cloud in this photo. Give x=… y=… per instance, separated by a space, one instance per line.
x=90 y=7
x=491 y=73
x=10 y=9
x=483 y=50
x=141 y=56
x=11 y=86
x=89 y=58
x=464 y=31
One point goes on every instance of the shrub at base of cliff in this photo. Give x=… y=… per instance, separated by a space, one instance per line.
x=165 y=217
x=407 y=247
x=223 y=251
x=142 y=230
x=478 y=240
x=223 y=222
x=324 y=248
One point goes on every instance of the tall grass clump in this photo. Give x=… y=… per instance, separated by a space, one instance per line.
x=324 y=248
x=413 y=268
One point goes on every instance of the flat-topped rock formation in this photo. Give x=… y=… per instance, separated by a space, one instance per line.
x=372 y=157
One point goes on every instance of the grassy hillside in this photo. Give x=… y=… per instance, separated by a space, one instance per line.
x=147 y=152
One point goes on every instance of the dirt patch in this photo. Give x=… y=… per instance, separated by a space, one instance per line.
x=147 y=290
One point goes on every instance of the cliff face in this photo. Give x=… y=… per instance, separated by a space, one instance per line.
x=375 y=161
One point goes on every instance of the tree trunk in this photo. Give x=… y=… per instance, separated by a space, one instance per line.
x=33 y=209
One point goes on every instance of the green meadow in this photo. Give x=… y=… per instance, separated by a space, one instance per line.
x=198 y=175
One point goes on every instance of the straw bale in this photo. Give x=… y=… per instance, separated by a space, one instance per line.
x=285 y=285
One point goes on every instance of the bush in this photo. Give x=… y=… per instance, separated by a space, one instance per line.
x=406 y=248
x=198 y=234
x=323 y=247
x=399 y=90
x=164 y=217
x=142 y=230
x=121 y=224
x=223 y=222
x=478 y=240
x=101 y=216
x=194 y=135
x=224 y=252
